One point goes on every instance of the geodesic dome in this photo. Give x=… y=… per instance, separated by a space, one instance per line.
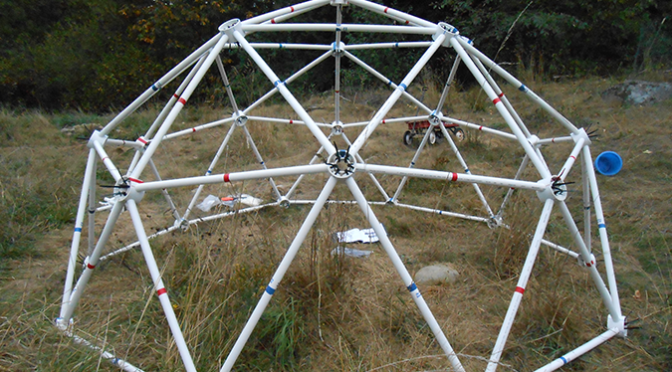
x=347 y=167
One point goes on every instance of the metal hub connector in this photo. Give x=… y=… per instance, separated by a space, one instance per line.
x=341 y=164
x=239 y=118
x=337 y=128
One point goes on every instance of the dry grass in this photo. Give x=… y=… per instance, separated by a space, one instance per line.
x=331 y=312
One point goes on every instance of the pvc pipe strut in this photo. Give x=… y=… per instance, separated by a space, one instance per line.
x=197 y=194
x=545 y=141
x=284 y=121
x=89 y=176
x=403 y=273
x=387 y=81
x=171 y=101
x=114 y=172
x=585 y=183
x=290 y=46
x=279 y=274
x=233 y=177
x=163 y=81
x=443 y=213
x=197 y=128
x=170 y=119
x=574 y=354
x=76 y=294
x=387 y=106
x=588 y=260
x=337 y=68
x=567 y=167
x=290 y=79
x=92 y=209
x=424 y=141
x=520 y=287
x=450 y=176
x=481 y=128
x=602 y=228
x=521 y=168
x=315 y=157
x=389 y=121
x=261 y=160
x=522 y=139
x=401 y=44
x=227 y=85
x=319 y=135
x=331 y=27
x=447 y=136
x=560 y=248
x=165 y=193
x=137 y=243
x=160 y=288
x=501 y=95
x=449 y=82
x=118 y=362
x=287 y=11
x=389 y=12
x=520 y=86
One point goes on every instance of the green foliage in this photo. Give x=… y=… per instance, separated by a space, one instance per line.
x=100 y=55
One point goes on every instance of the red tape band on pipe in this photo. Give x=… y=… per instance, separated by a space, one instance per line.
x=182 y=101
x=161 y=291
x=226 y=178
x=454 y=177
x=496 y=101
x=90 y=267
x=520 y=290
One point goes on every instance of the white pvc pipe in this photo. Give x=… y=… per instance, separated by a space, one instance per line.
x=509 y=192
x=291 y=46
x=449 y=82
x=290 y=79
x=402 y=183
x=520 y=287
x=197 y=194
x=588 y=346
x=198 y=128
x=466 y=169
x=387 y=106
x=114 y=172
x=285 y=12
x=260 y=160
x=450 y=176
x=522 y=139
x=393 y=13
x=233 y=177
x=401 y=44
x=72 y=301
x=319 y=135
x=602 y=228
x=585 y=183
x=331 y=27
x=588 y=260
x=163 y=129
x=520 y=86
x=403 y=273
x=167 y=78
x=117 y=362
x=279 y=274
x=389 y=121
x=161 y=291
x=443 y=213
x=560 y=248
x=567 y=167
x=79 y=219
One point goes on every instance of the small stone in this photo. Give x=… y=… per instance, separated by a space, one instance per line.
x=436 y=274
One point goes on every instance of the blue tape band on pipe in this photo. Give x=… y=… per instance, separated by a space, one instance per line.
x=270 y=290
x=403 y=86
x=564 y=361
x=602 y=226
x=522 y=88
x=412 y=287
x=78 y=229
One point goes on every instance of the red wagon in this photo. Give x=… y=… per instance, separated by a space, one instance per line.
x=416 y=128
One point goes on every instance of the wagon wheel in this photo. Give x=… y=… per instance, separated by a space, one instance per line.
x=408 y=138
x=459 y=134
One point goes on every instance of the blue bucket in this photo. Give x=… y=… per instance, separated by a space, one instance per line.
x=608 y=163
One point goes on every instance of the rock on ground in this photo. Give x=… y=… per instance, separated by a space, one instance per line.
x=634 y=92
x=436 y=274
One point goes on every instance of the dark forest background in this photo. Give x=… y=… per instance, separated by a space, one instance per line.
x=97 y=55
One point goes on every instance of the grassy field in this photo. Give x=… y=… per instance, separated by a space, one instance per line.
x=332 y=312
